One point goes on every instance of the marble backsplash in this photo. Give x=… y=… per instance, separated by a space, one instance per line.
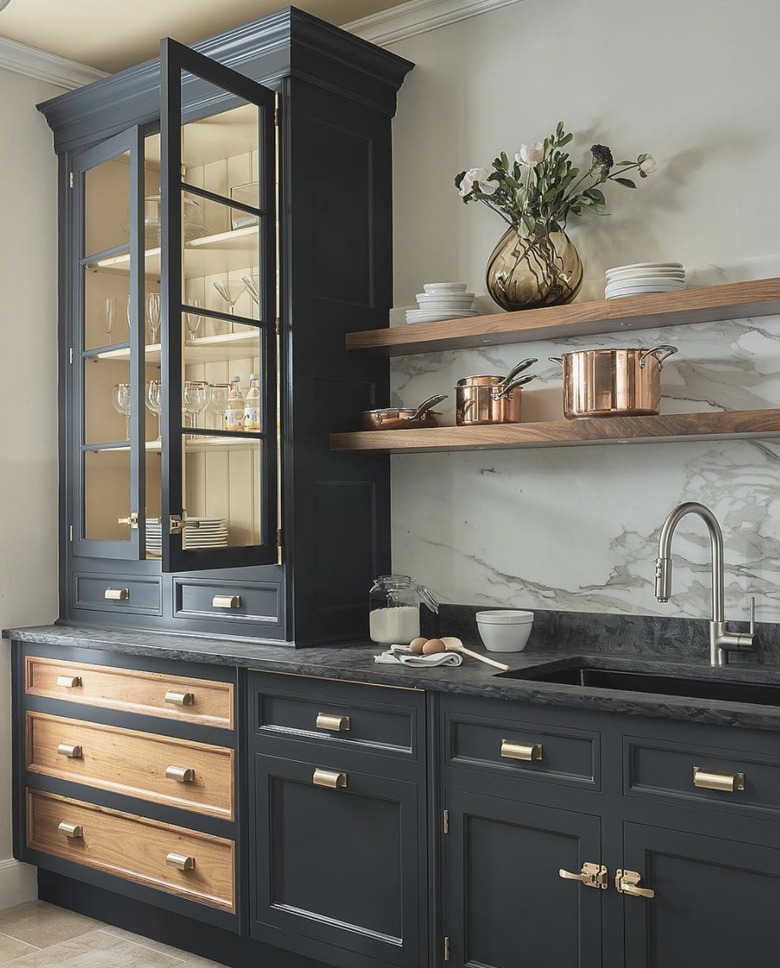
x=576 y=528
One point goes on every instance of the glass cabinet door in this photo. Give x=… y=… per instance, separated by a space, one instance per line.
x=218 y=354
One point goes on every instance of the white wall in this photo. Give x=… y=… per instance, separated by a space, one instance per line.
x=696 y=85
x=28 y=403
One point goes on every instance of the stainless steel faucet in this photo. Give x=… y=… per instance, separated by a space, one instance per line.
x=721 y=640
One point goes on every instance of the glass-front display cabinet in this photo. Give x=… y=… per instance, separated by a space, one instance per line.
x=225 y=220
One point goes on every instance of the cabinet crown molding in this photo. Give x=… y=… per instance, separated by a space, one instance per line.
x=418 y=17
x=42 y=66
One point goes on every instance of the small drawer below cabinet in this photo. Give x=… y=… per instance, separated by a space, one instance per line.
x=179 y=773
x=141 y=596
x=231 y=601
x=192 y=865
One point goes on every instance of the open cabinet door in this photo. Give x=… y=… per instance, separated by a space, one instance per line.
x=218 y=285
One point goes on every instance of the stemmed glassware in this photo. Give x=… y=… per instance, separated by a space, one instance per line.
x=196 y=399
x=230 y=292
x=154 y=402
x=252 y=283
x=219 y=402
x=153 y=308
x=110 y=316
x=193 y=319
x=123 y=404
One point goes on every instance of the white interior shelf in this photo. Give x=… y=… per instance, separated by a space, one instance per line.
x=207 y=349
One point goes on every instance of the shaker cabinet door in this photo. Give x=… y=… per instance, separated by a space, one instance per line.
x=506 y=904
x=337 y=855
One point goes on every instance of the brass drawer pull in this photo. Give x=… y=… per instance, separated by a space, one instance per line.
x=184 y=862
x=71 y=751
x=69 y=682
x=329 y=778
x=182 y=774
x=117 y=594
x=180 y=698
x=627 y=882
x=519 y=751
x=338 y=724
x=226 y=601
x=73 y=831
x=725 y=782
x=591 y=875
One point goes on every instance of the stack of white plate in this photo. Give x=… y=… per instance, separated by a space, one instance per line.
x=198 y=533
x=644 y=277
x=442 y=300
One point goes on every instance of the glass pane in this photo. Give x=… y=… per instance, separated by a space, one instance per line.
x=106 y=494
x=223 y=389
x=107 y=205
x=106 y=295
x=220 y=153
x=222 y=492
x=107 y=399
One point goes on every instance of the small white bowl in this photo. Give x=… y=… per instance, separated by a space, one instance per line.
x=444 y=287
x=505 y=629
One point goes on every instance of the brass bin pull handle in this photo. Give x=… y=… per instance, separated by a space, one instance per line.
x=226 y=601
x=73 y=752
x=627 y=882
x=182 y=774
x=521 y=751
x=73 y=831
x=117 y=594
x=725 y=782
x=337 y=724
x=184 y=862
x=330 y=779
x=69 y=682
x=591 y=875
x=180 y=698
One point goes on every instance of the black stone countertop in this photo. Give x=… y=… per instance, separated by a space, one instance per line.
x=355 y=662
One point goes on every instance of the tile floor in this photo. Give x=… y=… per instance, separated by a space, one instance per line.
x=39 y=935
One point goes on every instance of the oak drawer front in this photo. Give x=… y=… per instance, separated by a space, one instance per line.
x=140 y=596
x=192 y=865
x=703 y=775
x=179 y=773
x=526 y=749
x=227 y=601
x=153 y=694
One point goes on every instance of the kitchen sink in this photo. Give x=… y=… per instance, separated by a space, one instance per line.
x=650 y=682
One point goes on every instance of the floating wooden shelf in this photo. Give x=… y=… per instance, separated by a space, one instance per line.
x=735 y=424
x=732 y=301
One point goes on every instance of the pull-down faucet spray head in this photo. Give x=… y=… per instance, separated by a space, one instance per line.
x=663 y=579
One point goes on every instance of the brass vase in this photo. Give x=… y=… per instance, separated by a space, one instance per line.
x=542 y=270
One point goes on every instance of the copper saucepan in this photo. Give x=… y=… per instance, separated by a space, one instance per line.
x=403 y=418
x=491 y=399
x=606 y=383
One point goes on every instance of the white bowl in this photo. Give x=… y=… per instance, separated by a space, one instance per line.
x=645 y=265
x=445 y=297
x=444 y=287
x=505 y=630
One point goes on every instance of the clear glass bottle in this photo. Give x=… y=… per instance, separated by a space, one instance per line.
x=394 y=609
x=252 y=404
x=234 y=412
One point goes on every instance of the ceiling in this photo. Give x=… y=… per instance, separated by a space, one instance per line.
x=113 y=34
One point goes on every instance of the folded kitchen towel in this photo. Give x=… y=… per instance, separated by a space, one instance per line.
x=402 y=654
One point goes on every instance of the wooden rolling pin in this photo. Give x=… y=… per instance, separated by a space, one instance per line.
x=453 y=644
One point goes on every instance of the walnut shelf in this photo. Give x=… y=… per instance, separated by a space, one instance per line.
x=735 y=424
x=732 y=301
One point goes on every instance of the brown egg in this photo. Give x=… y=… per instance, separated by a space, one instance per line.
x=432 y=646
x=416 y=645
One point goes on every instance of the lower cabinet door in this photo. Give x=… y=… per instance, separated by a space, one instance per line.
x=716 y=901
x=506 y=904
x=338 y=857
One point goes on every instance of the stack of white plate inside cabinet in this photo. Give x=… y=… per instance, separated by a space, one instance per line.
x=442 y=300
x=644 y=277
x=198 y=533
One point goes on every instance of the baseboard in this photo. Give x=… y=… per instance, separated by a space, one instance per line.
x=18 y=883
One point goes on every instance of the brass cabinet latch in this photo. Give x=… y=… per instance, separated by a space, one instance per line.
x=177 y=522
x=627 y=882
x=131 y=520
x=591 y=875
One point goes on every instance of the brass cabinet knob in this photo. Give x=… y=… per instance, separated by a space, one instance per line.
x=180 y=698
x=725 y=782
x=329 y=778
x=73 y=831
x=226 y=601
x=117 y=594
x=183 y=862
x=591 y=875
x=627 y=882
x=182 y=774
x=69 y=682
x=337 y=724
x=72 y=752
x=520 y=751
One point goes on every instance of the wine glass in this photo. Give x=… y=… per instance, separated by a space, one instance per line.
x=193 y=319
x=110 y=316
x=154 y=402
x=123 y=404
x=196 y=399
x=219 y=402
x=129 y=312
x=230 y=292
x=153 y=308
x=252 y=283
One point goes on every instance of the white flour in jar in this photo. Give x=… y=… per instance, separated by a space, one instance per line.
x=390 y=626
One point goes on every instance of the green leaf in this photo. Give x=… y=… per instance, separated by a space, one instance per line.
x=641 y=158
x=620 y=164
x=626 y=182
x=597 y=195
x=566 y=140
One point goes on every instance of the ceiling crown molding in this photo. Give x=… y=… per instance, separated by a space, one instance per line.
x=31 y=62
x=418 y=17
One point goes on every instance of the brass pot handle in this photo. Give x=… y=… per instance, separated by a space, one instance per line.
x=725 y=782
x=521 y=751
x=330 y=779
x=661 y=353
x=627 y=882
x=180 y=698
x=184 y=862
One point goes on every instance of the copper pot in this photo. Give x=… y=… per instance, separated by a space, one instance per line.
x=606 y=383
x=491 y=399
x=403 y=418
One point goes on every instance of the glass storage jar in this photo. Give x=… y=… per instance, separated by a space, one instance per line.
x=394 y=609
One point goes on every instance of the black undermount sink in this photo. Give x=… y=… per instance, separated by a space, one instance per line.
x=650 y=682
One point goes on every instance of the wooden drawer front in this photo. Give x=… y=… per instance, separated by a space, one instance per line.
x=179 y=773
x=133 y=848
x=233 y=601
x=174 y=697
x=529 y=750
x=663 y=769
x=137 y=595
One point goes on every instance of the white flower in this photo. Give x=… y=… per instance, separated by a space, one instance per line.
x=476 y=179
x=530 y=154
x=648 y=166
